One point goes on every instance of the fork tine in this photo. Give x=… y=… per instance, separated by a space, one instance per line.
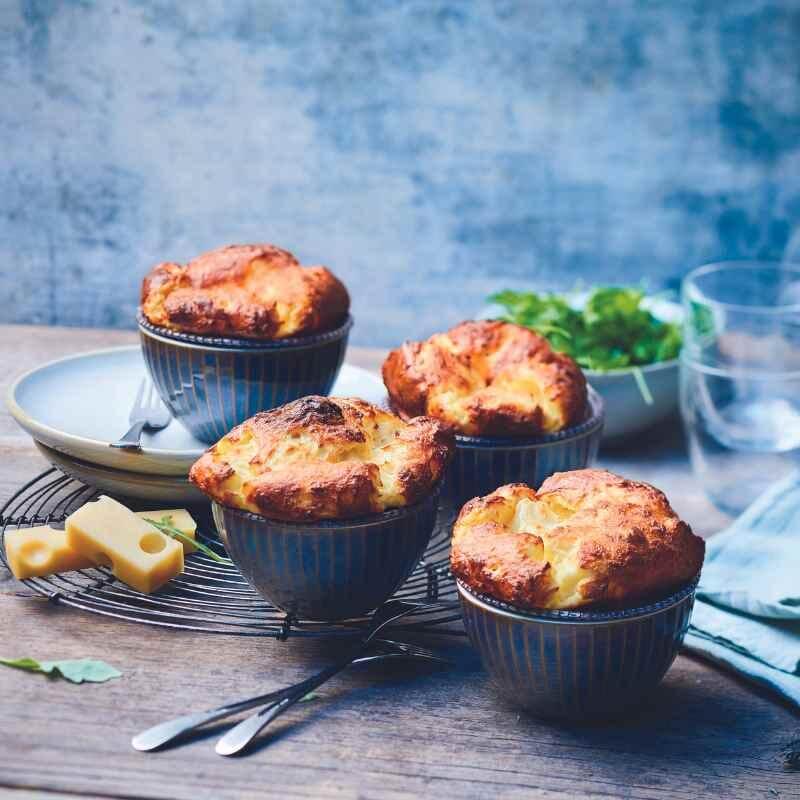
x=406 y=647
x=421 y=651
x=411 y=649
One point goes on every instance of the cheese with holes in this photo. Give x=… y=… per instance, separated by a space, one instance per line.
x=36 y=552
x=179 y=518
x=112 y=536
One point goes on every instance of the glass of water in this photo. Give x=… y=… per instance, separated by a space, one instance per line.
x=740 y=377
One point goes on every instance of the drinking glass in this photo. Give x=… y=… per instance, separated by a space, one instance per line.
x=740 y=377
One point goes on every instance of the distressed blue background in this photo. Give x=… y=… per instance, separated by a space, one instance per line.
x=428 y=152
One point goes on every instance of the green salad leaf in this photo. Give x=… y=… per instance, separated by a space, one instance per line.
x=76 y=670
x=612 y=331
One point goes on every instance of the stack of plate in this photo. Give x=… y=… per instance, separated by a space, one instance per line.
x=76 y=406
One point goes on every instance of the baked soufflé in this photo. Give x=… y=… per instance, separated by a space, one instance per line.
x=250 y=291
x=586 y=538
x=324 y=458
x=487 y=378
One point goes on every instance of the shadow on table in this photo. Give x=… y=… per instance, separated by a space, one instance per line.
x=680 y=713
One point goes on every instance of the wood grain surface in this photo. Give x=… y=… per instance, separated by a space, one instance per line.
x=404 y=732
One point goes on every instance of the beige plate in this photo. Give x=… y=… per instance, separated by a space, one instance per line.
x=120 y=482
x=79 y=404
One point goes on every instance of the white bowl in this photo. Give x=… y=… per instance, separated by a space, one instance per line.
x=627 y=411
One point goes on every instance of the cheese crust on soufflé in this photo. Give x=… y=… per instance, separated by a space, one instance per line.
x=251 y=291
x=324 y=458
x=487 y=378
x=586 y=538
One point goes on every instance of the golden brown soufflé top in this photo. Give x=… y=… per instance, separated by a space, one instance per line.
x=487 y=378
x=250 y=291
x=587 y=538
x=324 y=458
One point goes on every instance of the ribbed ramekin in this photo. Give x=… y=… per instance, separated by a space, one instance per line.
x=330 y=569
x=481 y=464
x=577 y=664
x=210 y=384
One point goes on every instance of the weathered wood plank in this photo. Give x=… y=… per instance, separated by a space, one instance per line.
x=389 y=733
x=404 y=732
x=11 y=793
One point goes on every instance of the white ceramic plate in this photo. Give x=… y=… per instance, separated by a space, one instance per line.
x=171 y=489
x=79 y=404
x=120 y=482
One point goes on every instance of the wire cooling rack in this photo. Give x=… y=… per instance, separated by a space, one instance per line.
x=208 y=596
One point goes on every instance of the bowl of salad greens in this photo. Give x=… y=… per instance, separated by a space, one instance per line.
x=627 y=344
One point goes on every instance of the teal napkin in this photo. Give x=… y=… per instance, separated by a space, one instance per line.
x=747 y=613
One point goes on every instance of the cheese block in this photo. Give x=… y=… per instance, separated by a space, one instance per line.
x=36 y=552
x=112 y=536
x=179 y=518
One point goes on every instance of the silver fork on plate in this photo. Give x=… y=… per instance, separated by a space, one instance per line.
x=147 y=413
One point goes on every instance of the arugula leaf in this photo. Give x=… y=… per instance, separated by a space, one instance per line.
x=82 y=670
x=79 y=670
x=168 y=529
x=612 y=331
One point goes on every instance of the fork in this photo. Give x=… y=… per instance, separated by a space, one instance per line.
x=166 y=732
x=243 y=733
x=146 y=414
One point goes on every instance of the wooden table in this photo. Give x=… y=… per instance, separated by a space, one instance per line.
x=400 y=733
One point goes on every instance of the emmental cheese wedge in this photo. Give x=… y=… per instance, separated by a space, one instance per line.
x=36 y=552
x=112 y=536
x=179 y=518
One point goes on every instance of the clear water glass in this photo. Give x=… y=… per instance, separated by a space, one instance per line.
x=740 y=377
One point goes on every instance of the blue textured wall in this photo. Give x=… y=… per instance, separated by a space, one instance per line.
x=428 y=152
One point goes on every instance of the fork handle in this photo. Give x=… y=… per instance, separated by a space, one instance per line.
x=172 y=729
x=242 y=734
x=167 y=732
x=130 y=441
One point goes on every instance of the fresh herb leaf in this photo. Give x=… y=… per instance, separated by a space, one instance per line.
x=612 y=331
x=307 y=698
x=168 y=529
x=30 y=664
x=80 y=670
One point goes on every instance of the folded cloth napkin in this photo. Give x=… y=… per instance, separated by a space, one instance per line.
x=747 y=613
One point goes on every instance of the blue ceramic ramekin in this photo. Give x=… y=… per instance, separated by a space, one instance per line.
x=329 y=569
x=210 y=384
x=481 y=464
x=577 y=664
